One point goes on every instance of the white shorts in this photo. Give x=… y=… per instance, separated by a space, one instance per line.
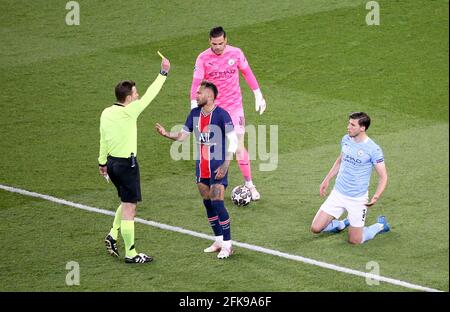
x=337 y=203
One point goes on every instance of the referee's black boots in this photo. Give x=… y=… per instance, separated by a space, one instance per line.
x=111 y=246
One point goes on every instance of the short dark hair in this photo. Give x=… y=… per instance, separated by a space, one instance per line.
x=124 y=89
x=211 y=86
x=363 y=119
x=217 y=32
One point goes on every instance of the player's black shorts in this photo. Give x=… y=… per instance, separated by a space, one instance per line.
x=126 y=179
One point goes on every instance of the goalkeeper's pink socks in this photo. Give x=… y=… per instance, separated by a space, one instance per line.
x=244 y=164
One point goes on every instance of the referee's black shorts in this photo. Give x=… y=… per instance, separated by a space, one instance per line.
x=126 y=179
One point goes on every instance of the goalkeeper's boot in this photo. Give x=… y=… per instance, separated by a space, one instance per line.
x=255 y=194
x=225 y=252
x=111 y=246
x=215 y=247
x=139 y=258
x=386 y=227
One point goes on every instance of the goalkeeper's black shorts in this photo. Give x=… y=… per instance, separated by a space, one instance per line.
x=124 y=173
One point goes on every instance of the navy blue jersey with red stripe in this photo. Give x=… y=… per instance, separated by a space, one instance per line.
x=209 y=131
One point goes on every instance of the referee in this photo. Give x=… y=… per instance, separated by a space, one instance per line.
x=117 y=158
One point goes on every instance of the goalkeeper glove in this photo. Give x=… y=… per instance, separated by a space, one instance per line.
x=260 y=103
x=193 y=104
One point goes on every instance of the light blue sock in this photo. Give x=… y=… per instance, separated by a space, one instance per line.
x=369 y=232
x=334 y=226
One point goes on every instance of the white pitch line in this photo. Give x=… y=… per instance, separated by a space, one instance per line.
x=242 y=245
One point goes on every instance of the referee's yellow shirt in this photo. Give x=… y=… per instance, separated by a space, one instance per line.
x=118 y=124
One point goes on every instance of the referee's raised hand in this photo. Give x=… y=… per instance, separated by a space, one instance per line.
x=165 y=65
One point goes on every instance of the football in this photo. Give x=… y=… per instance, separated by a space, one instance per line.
x=241 y=195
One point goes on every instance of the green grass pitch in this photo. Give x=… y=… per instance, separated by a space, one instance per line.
x=315 y=60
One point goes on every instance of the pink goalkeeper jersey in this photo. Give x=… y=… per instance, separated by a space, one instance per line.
x=223 y=71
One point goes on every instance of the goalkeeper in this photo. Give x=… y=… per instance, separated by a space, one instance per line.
x=221 y=64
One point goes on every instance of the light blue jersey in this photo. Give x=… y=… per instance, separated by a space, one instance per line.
x=357 y=162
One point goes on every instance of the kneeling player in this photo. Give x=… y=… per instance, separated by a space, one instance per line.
x=353 y=167
x=211 y=124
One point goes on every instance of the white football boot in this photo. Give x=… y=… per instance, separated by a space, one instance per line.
x=255 y=194
x=215 y=247
x=225 y=252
